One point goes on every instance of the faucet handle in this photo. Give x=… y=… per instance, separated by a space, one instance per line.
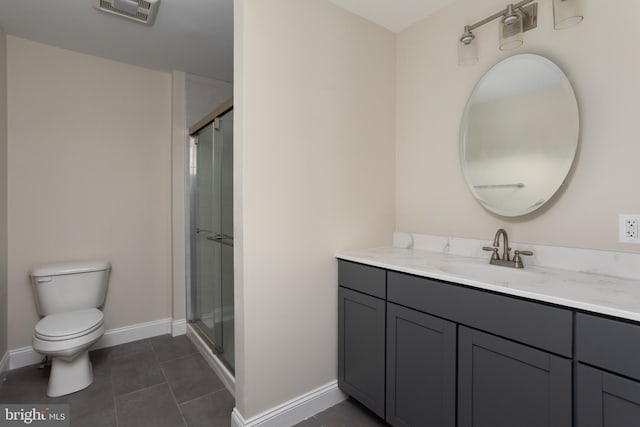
x=518 y=260
x=527 y=253
x=493 y=249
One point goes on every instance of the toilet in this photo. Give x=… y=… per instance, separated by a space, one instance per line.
x=68 y=296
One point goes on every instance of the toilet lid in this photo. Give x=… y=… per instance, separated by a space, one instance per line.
x=72 y=324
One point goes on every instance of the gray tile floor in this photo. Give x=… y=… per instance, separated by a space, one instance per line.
x=345 y=414
x=161 y=381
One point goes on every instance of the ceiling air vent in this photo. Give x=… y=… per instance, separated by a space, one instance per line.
x=143 y=11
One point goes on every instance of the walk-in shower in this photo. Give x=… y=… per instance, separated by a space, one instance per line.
x=210 y=305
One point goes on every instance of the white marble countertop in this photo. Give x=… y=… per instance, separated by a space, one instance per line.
x=609 y=295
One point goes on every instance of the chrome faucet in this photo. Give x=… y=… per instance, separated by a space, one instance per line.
x=506 y=260
x=505 y=242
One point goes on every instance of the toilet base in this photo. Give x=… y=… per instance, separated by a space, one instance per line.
x=67 y=377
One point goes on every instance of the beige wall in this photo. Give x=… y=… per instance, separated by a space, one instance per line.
x=89 y=177
x=314 y=130
x=432 y=196
x=3 y=194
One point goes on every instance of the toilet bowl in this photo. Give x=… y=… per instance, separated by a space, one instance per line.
x=66 y=338
x=68 y=296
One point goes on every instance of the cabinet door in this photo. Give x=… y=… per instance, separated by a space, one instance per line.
x=361 y=348
x=505 y=384
x=421 y=369
x=606 y=400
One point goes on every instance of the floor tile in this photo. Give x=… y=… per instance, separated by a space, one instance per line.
x=190 y=377
x=349 y=413
x=131 y=388
x=134 y=372
x=150 y=407
x=131 y=349
x=309 y=422
x=101 y=366
x=93 y=406
x=25 y=385
x=211 y=410
x=168 y=348
x=144 y=396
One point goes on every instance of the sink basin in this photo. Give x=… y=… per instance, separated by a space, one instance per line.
x=491 y=273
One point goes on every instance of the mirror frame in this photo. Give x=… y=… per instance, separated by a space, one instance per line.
x=464 y=123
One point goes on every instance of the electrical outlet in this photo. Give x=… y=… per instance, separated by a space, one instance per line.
x=631 y=228
x=628 y=231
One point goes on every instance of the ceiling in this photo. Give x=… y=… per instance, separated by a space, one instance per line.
x=395 y=15
x=195 y=36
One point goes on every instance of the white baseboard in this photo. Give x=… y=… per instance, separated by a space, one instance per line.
x=26 y=356
x=213 y=361
x=135 y=332
x=4 y=363
x=179 y=327
x=295 y=410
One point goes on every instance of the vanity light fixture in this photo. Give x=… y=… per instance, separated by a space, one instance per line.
x=511 y=30
x=566 y=13
x=515 y=19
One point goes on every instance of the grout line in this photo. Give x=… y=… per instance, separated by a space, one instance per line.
x=195 y=350
x=115 y=405
x=148 y=342
x=111 y=357
x=177 y=404
x=153 y=349
x=113 y=391
x=207 y=394
x=170 y=389
x=143 y=388
x=184 y=356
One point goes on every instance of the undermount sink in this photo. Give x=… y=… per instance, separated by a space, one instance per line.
x=490 y=273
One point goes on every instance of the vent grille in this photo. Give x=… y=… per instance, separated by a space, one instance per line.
x=146 y=12
x=105 y=5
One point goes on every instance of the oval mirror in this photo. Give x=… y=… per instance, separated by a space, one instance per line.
x=519 y=134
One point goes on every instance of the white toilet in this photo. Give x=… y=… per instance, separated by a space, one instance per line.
x=68 y=296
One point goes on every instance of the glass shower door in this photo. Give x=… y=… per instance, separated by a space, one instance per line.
x=212 y=235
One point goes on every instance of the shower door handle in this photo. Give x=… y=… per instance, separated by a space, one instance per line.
x=221 y=238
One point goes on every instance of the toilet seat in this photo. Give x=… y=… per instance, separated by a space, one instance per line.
x=66 y=347
x=69 y=325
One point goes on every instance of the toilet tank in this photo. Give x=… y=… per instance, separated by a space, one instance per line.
x=70 y=286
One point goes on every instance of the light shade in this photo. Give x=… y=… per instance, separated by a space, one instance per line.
x=467 y=48
x=566 y=13
x=511 y=31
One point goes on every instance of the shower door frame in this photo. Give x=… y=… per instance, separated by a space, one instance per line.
x=191 y=292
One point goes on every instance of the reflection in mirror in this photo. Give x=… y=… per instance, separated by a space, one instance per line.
x=519 y=134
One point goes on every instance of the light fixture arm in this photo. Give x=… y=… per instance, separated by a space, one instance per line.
x=517 y=18
x=500 y=14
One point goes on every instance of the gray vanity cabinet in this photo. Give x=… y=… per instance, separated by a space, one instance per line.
x=608 y=373
x=503 y=384
x=421 y=369
x=361 y=334
x=606 y=400
x=421 y=352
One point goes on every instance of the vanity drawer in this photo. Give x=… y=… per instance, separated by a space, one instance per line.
x=608 y=344
x=363 y=278
x=538 y=325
